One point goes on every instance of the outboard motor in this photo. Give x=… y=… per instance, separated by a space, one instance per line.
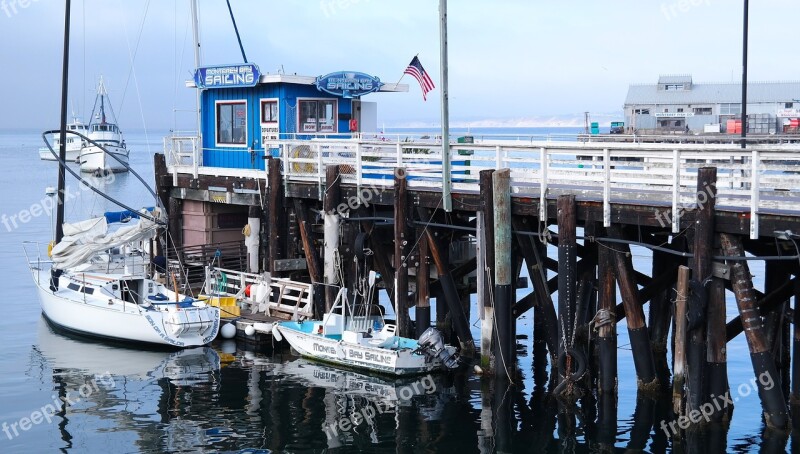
x=432 y=345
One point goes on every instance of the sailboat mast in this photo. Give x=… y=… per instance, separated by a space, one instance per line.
x=62 y=151
x=197 y=62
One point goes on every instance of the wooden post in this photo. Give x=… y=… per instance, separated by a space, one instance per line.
x=276 y=216
x=485 y=298
x=701 y=277
x=796 y=358
x=312 y=258
x=777 y=273
x=450 y=294
x=567 y=272
x=772 y=401
x=506 y=341
x=331 y=231
x=535 y=253
x=402 y=249
x=423 y=310
x=606 y=323
x=174 y=227
x=679 y=344
x=716 y=355
x=660 y=314
x=634 y=314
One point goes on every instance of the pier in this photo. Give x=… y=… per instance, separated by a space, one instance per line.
x=570 y=214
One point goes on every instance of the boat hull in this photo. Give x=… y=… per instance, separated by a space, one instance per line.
x=73 y=154
x=120 y=321
x=93 y=159
x=357 y=356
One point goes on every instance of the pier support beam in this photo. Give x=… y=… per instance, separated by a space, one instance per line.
x=567 y=282
x=772 y=400
x=503 y=274
x=606 y=325
x=486 y=230
x=796 y=340
x=331 y=232
x=634 y=314
x=423 y=309
x=534 y=252
x=312 y=257
x=698 y=286
x=679 y=343
x=402 y=248
x=716 y=355
x=277 y=216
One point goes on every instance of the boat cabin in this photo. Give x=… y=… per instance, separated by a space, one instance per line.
x=242 y=110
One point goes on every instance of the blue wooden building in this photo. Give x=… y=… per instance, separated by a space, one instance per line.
x=243 y=110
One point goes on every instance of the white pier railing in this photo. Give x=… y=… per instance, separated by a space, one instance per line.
x=757 y=180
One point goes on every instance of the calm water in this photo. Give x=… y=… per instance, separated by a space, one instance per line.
x=224 y=399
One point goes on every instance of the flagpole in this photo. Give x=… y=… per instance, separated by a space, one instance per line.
x=447 y=201
x=404 y=73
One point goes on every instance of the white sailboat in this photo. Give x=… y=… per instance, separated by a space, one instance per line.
x=97 y=284
x=113 y=157
x=97 y=281
x=350 y=336
x=74 y=142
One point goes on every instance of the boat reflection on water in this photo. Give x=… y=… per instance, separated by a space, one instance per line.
x=359 y=409
x=116 y=389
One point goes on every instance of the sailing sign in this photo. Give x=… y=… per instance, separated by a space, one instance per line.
x=348 y=84
x=227 y=76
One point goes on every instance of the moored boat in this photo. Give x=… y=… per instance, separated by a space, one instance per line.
x=74 y=143
x=113 y=156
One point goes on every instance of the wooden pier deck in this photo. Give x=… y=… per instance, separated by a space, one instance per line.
x=707 y=207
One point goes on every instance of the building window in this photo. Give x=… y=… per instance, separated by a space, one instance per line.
x=789 y=105
x=680 y=109
x=232 y=123
x=673 y=87
x=317 y=115
x=269 y=111
x=702 y=111
x=730 y=109
x=642 y=112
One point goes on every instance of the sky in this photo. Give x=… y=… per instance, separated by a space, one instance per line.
x=511 y=62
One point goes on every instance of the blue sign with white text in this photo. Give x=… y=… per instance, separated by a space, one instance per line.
x=227 y=76
x=348 y=84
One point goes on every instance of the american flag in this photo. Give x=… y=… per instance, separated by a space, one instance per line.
x=425 y=82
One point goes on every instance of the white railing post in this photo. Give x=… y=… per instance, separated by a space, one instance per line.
x=399 y=154
x=358 y=167
x=606 y=188
x=755 y=194
x=498 y=157
x=196 y=156
x=543 y=185
x=320 y=171
x=676 y=190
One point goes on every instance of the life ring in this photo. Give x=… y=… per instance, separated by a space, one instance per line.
x=578 y=359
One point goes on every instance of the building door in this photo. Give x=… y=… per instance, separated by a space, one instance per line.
x=355 y=116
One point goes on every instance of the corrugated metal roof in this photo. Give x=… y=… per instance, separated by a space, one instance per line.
x=675 y=79
x=757 y=92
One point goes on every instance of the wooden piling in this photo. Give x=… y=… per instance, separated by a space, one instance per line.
x=486 y=230
x=679 y=344
x=796 y=340
x=716 y=355
x=331 y=223
x=503 y=291
x=567 y=273
x=276 y=215
x=772 y=401
x=606 y=324
x=775 y=274
x=634 y=314
x=312 y=258
x=402 y=249
x=535 y=252
x=423 y=310
x=701 y=277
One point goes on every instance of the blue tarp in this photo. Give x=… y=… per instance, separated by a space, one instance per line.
x=123 y=216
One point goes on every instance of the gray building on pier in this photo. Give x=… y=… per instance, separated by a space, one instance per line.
x=676 y=102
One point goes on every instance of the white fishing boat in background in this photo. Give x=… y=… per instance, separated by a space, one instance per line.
x=106 y=133
x=74 y=143
x=350 y=335
x=98 y=284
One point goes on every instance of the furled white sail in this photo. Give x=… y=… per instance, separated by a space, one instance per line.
x=84 y=239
